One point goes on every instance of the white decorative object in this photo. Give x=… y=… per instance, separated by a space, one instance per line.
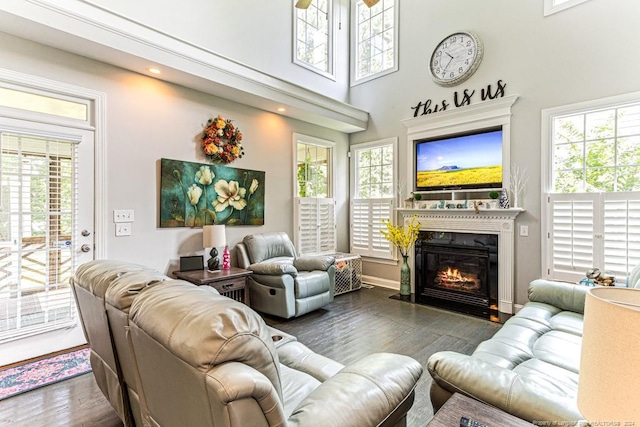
x=517 y=179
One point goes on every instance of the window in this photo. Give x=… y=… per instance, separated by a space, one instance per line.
x=593 y=187
x=313 y=42
x=314 y=207
x=374 y=40
x=553 y=6
x=373 y=185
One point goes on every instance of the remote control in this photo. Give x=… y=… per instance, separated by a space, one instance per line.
x=466 y=422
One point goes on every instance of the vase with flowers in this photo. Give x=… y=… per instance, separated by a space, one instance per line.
x=403 y=238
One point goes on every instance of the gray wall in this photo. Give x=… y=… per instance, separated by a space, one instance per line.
x=148 y=119
x=586 y=52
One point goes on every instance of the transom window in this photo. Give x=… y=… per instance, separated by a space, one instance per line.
x=553 y=6
x=374 y=48
x=313 y=42
x=313 y=170
x=597 y=151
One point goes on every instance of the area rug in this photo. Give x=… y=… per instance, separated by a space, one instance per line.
x=32 y=375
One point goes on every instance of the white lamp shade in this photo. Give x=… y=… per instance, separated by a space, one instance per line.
x=303 y=4
x=213 y=236
x=608 y=387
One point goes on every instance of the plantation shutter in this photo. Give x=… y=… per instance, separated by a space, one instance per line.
x=316 y=232
x=600 y=230
x=366 y=222
x=621 y=233
x=37 y=216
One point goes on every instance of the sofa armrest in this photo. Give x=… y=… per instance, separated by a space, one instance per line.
x=566 y=296
x=387 y=381
x=234 y=381
x=523 y=397
x=310 y=263
x=273 y=269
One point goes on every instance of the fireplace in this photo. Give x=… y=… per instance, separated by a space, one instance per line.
x=458 y=271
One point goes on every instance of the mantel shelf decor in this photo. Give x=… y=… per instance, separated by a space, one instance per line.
x=222 y=141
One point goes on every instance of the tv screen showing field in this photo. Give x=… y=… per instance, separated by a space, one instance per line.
x=471 y=160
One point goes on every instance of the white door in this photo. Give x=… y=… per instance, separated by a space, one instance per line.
x=46 y=231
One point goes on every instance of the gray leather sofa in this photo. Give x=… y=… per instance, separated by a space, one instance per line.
x=530 y=367
x=196 y=358
x=283 y=284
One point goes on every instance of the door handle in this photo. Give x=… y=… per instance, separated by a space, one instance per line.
x=85 y=233
x=85 y=248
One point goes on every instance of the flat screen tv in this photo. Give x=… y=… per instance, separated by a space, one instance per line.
x=462 y=161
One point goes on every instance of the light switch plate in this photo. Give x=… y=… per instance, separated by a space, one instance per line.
x=123 y=229
x=122 y=215
x=524 y=230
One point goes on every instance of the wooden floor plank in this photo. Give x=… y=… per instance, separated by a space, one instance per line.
x=354 y=325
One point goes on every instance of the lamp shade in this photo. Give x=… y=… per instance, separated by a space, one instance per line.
x=213 y=236
x=370 y=3
x=303 y=4
x=610 y=360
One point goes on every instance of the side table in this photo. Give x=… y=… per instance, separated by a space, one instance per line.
x=231 y=283
x=462 y=406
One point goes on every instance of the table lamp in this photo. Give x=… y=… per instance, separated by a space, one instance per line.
x=213 y=236
x=609 y=384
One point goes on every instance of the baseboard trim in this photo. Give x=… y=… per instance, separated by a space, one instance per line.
x=383 y=283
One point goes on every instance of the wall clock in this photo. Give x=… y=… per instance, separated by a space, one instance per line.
x=456 y=58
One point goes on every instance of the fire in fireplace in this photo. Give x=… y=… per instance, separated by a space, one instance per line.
x=452 y=278
x=458 y=271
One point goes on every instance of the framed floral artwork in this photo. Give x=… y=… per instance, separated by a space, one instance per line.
x=196 y=194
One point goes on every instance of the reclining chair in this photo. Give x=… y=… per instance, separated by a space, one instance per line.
x=209 y=361
x=283 y=284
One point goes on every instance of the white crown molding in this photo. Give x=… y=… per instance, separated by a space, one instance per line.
x=83 y=28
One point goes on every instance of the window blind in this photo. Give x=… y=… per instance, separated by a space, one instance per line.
x=366 y=222
x=588 y=230
x=37 y=216
x=316 y=232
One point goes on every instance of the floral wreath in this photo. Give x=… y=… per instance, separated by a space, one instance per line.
x=221 y=140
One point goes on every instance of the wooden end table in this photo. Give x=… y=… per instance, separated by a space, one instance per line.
x=231 y=283
x=462 y=406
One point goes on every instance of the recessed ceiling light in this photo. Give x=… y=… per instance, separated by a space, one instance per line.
x=153 y=70
x=282 y=109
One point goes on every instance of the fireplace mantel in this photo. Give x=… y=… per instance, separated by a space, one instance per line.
x=489 y=221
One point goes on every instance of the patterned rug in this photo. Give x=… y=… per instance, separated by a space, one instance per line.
x=32 y=375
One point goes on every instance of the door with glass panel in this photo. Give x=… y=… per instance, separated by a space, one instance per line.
x=46 y=228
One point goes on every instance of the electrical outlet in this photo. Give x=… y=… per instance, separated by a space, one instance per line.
x=123 y=215
x=123 y=229
x=524 y=230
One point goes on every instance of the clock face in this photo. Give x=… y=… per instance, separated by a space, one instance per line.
x=455 y=58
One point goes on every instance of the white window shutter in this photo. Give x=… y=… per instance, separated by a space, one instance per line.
x=621 y=234
x=316 y=228
x=366 y=223
x=571 y=236
x=326 y=226
x=593 y=230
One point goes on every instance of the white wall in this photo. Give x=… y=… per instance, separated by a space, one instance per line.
x=148 y=119
x=583 y=53
x=254 y=33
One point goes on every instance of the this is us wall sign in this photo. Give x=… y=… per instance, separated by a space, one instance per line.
x=460 y=99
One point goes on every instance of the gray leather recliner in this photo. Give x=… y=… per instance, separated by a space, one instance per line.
x=283 y=284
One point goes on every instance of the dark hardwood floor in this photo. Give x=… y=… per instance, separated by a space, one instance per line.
x=354 y=325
